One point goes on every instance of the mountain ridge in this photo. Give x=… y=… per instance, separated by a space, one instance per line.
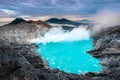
x=21 y=20
x=17 y=21
x=62 y=21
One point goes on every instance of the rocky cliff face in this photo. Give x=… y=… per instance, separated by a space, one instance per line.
x=20 y=61
x=108 y=51
x=23 y=31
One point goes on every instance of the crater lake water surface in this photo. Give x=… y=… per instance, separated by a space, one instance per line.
x=70 y=57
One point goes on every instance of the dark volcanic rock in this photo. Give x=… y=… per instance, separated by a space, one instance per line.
x=108 y=51
x=17 y=21
x=19 y=61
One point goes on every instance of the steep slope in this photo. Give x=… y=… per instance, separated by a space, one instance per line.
x=39 y=22
x=17 y=21
x=20 y=61
x=23 y=31
x=108 y=51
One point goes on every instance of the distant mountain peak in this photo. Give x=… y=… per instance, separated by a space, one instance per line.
x=52 y=20
x=57 y=19
x=62 y=21
x=17 y=20
x=39 y=22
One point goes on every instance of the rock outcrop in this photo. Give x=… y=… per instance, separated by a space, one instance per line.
x=17 y=21
x=108 y=51
x=39 y=22
x=20 y=60
x=23 y=31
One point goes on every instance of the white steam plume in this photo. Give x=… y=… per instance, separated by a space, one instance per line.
x=57 y=34
x=105 y=19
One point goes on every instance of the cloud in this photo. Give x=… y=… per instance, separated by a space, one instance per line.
x=28 y=4
x=54 y=2
x=14 y=7
x=57 y=7
x=6 y=19
x=5 y=13
x=59 y=35
x=9 y=12
x=107 y=17
x=27 y=17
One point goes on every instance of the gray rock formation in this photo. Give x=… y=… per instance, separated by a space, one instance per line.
x=20 y=60
x=108 y=51
x=22 y=32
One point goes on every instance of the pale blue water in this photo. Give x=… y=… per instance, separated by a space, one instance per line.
x=70 y=57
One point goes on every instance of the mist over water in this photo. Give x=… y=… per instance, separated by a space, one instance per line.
x=66 y=50
x=102 y=21
x=57 y=34
x=105 y=19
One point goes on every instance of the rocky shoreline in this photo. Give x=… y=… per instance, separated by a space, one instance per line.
x=22 y=62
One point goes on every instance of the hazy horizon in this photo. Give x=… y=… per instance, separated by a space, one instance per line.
x=45 y=9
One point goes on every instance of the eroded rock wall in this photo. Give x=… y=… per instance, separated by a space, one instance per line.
x=22 y=62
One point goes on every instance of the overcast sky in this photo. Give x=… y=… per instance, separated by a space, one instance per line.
x=40 y=8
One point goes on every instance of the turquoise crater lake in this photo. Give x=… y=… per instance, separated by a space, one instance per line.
x=70 y=57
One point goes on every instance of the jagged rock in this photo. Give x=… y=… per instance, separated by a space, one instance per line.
x=23 y=31
x=20 y=61
x=108 y=51
x=23 y=63
x=39 y=22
